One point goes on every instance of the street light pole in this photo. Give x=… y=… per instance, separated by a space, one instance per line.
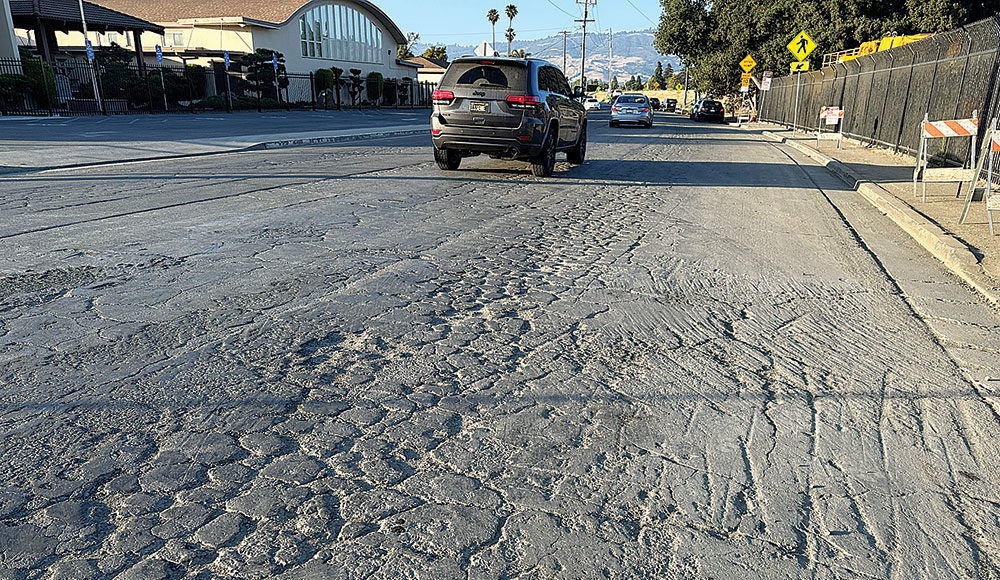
x=583 y=51
x=93 y=73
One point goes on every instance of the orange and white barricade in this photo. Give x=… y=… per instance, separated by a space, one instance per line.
x=991 y=197
x=831 y=117
x=744 y=114
x=965 y=128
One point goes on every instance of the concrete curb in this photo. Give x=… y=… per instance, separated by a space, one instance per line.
x=264 y=145
x=955 y=255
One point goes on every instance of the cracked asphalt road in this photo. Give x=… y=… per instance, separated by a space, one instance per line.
x=696 y=356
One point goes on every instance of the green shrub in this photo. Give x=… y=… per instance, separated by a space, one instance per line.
x=324 y=80
x=376 y=85
x=13 y=89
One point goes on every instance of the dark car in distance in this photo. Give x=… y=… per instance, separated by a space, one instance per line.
x=655 y=103
x=670 y=105
x=708 y=110
x=508 y=108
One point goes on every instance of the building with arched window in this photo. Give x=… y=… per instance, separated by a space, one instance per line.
x=311 y=35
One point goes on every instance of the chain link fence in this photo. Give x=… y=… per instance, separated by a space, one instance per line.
x=886 y=95
x=34 y=87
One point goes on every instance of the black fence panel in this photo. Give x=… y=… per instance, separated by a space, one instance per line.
x=33 y=87
x=886 y=95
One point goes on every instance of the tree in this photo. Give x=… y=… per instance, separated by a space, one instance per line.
x=404 y=51
x=668 y=72
x=493 y=16
x=657 y=77
x=511 y=11
x=711 y=36
x=436 y=52
x=614 y=83
x=260 y=71
x=520 y=53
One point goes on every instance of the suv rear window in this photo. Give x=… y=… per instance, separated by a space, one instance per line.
x=475 y=74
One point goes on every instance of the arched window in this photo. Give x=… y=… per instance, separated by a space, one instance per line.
x=340 y=32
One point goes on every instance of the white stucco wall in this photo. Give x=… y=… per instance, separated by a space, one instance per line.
x=8 y=45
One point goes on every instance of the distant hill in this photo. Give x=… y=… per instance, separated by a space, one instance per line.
x=633 y=53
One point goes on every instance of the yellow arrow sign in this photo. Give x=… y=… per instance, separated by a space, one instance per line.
x=748 y=63
x=802 y=46
x=800 y=66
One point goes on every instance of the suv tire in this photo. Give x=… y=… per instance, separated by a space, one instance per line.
x=578 y=153
x=447 y=159
x=543 y=164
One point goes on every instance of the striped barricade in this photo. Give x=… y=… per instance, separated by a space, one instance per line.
x=991 y=197
x=964 y=128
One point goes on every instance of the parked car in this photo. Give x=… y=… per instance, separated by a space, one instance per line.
x=631 y=109
x=592 y=104
x=509 y=108
x=708 y=110
x=654 y=103
x=670 y=105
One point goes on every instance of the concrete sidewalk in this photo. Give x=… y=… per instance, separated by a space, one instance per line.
x=35 y=143
x=886 y=180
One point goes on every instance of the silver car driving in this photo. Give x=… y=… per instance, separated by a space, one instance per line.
x=632 y=109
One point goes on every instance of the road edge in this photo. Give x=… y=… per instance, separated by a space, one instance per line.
x=954 y=254
x=261 y=146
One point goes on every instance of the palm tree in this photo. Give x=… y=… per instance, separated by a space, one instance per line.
x=493 y=16
x=511 y=13
x=521 y=53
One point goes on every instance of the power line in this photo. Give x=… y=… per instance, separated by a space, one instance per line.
x=641 y=13
x=559 y=8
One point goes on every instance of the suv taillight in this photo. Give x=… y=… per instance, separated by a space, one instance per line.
x=522 y=101
x=443 y=97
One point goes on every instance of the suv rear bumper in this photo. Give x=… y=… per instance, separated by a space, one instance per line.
x=519 y=142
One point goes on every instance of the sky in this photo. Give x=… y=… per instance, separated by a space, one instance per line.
x=464 y=21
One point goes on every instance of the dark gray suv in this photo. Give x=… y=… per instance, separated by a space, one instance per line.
x=509 y=108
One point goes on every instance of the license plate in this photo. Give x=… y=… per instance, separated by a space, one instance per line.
x=478 y=107
x=630 y=111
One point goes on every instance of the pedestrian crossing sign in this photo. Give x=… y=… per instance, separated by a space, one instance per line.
x=802 y=46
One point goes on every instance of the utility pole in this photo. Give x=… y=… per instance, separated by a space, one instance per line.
x=611 y=38
x=564 y=33
x=583 y=51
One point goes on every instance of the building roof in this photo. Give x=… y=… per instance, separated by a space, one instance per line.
x=270 y=11
x=67 y=13
x=432 y=63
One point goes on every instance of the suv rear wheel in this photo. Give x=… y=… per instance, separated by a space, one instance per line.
x=545 y=162
x=577 y=154
x=447 y=159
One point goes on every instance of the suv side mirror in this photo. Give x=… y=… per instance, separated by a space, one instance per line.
x=578 y=92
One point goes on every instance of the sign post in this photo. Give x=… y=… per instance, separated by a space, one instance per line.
x=90 y=57
x=229 y=92
x=163 y=85
x=274 y=62
x=801 y=47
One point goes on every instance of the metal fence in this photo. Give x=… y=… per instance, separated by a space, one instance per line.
x=35 y=87
x=886 y=95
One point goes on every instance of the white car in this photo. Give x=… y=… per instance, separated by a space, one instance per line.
x=591 y=104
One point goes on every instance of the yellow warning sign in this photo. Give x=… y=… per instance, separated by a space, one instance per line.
x=745 y=79
x=802 y=46
x=748 y=63
x=800 y=66
x=680 y=87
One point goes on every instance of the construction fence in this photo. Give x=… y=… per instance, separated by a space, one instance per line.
x=886 y=95
x=35 y=87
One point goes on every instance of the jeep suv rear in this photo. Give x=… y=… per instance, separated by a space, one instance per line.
x=508 y=108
